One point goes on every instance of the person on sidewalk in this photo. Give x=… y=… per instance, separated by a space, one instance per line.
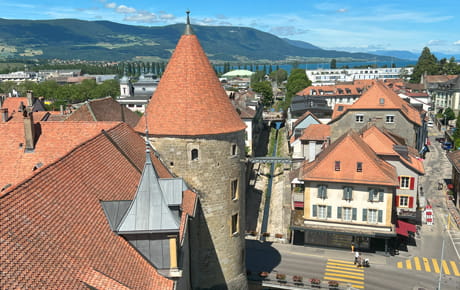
x=356 y=257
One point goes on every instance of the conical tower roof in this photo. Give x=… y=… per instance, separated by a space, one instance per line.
x=189 y=99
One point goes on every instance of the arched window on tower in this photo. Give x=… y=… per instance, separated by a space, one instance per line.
x=194 y=154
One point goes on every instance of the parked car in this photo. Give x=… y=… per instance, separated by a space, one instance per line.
x=447 y=145
x=430 y=124
x=440 y=139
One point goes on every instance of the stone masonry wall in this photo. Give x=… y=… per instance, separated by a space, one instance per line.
x=217 y=254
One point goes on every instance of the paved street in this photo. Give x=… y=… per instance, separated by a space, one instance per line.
x=420 y=267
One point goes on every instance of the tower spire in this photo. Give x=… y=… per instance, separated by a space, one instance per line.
x=188 y=27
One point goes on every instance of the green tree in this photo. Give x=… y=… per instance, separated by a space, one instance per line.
x=296 y=82
x=258 y=76
x=427 y=63
x=449 y=114
x=333 y=63
x=265 y=89
x=279 y=76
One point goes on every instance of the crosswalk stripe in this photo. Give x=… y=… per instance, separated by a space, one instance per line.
x=343 y=268
x=445 y=268
x=400 y=265
x=426 y=264
x=454 y=268
x=341 y=261
x=344 y=272
x=408 y=265
x=417 y=264
x=357 y=286
x=435 y=265
x=343 y=280
x=344 y=276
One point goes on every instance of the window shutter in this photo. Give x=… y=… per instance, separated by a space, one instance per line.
x=412 y=182
x=344 y=193
x=364 y=214
x=399 y=182
x=397 y=201
x=371 y=194
x=381 y=196
x=411 y=201
x=329 y=211
x=314 y=210
x=320 y=188
x=350 y=193
x=380 y=216
x=339 y=212
x=354 y=213
x=324 y=191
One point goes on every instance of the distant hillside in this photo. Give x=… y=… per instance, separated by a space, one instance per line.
x=404 y=54
x=301 y=44
x=103 y=40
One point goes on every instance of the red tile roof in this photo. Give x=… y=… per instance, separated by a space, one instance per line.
x=374 y=170
x=335 y=90
x=439 y=78
x=53 y=230
x=189 y=99
x=318 y=132
x=12 y=104
x=104 y=109
x=54 y=140
x=380 y=96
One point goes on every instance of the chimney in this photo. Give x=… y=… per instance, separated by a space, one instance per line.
x=4 y=112
x=61 y=107
x=311 y=151
x=29 y=130
x=30 y=98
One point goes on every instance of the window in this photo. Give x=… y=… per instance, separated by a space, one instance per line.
x=359 y=118
x=347 y=213
x=403 y=201
x=347 y=193
x=372 y=215
x=322 y=211
x=359 y=166
x=234 y=149
x=234 y=189
x=389 y=119
x=322 y=191
x=234 y=224
x=194 y=154
x=406 y=182
x=376 y=194
x=337 y=165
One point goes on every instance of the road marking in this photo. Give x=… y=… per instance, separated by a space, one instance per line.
x=333 y=269
x=445 y=268
x=343 y=280
x=408 y=265
x=341 y=261
x=454 y=268
x=426 y=264
x=357 y=286
x=343 y=275
x=417 y=264
x=344 y=266
x=435 y=265
x=400 y=265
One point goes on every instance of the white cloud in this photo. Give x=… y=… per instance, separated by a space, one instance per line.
x=167 y=17
x=287 y=30
x=342 y=10
x=457 y=42
x=435 y=42
x=111 y=5
x=125 y=9
x=142 y=17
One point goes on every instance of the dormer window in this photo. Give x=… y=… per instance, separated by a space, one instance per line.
x=359 y=118
x=337 y=166
x=381 y=101
x=359 y=166
x=389 y=119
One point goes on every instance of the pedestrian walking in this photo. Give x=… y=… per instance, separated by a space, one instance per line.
x=356 y=257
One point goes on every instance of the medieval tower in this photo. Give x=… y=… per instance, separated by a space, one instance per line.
x=200 y=137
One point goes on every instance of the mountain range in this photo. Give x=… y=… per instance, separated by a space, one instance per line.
x=70 y=39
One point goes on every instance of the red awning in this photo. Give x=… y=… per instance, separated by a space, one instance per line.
x=403 y=228
x=298 y=204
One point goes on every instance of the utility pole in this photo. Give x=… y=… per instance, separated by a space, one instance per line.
x=442 y=258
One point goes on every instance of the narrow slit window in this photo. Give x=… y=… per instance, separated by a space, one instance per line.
x=337 y=165
x=194 y=154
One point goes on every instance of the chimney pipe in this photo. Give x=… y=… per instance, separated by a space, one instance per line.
x=29 y=129
x=30 y=98
x=4 y=112
x=61 y=107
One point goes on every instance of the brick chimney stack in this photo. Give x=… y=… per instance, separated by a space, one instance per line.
x=29 y=129
x=4 y=112
x=30 y=98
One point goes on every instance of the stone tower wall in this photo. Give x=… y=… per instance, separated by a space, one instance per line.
x=217 y=254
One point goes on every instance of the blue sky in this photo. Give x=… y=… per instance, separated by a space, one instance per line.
x=355 y=25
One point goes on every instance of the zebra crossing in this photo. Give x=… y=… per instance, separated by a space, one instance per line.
x=344 y=272
x=430 y=265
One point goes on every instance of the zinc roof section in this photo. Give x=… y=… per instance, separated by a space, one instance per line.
x=374 y=170
x=189 y=99
x=149 y=211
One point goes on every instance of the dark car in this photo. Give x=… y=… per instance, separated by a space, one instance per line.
x=447 y=145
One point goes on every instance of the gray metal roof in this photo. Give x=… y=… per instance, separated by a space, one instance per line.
x=172 y=189
x=149 y=211
x=115 y=210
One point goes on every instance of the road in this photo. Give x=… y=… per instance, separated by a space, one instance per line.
x=417 y=268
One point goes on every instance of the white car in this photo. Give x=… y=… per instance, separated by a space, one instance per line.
x=430 y=124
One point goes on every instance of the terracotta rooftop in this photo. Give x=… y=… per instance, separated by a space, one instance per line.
x=104 y=109
x=54 y=231
x=374 y=170
x=380 y=96
x=354 y=89
x=189 y=99
x=384 y=144
x=339 y=109
x=54 y=140
x=317 y=132
x=439 y=78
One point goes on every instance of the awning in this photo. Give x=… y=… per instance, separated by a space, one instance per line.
x=403 y=228
x=298 y=204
